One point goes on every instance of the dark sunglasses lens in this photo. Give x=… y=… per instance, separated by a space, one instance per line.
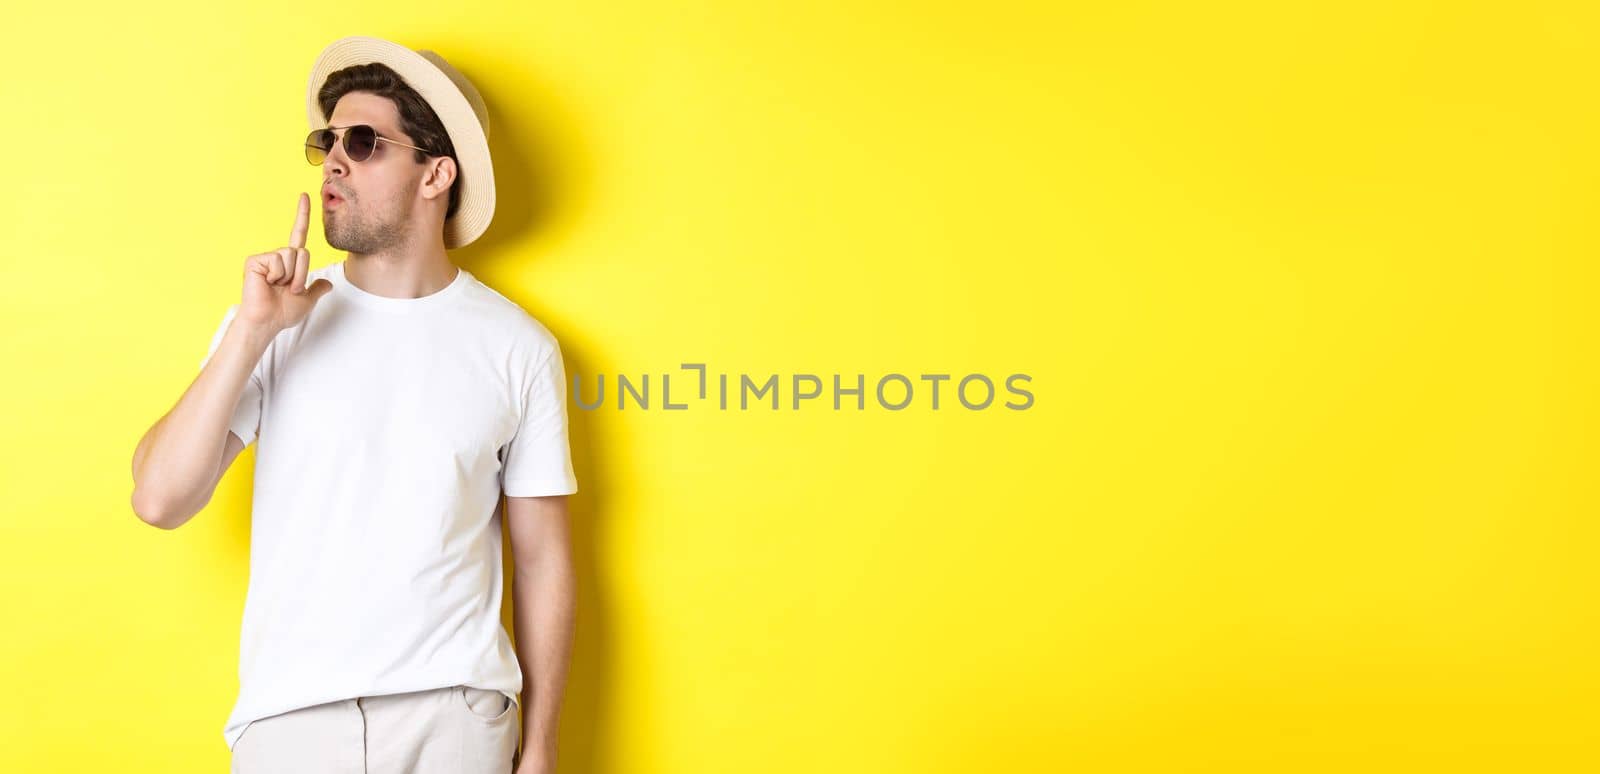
x=318 y=143
x=359 y=141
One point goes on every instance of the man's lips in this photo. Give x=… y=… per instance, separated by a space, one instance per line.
x=331 y=198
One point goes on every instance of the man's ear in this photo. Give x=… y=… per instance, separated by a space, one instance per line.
x=441 y=173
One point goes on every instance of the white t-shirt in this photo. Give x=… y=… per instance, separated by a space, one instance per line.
x=388 y=429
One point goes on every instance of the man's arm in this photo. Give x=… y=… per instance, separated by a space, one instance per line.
x=544 y=599
x=180 y=459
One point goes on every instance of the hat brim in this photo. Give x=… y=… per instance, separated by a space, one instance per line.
x=452 y=97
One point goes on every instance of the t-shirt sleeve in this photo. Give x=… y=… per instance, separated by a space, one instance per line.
x=246 y=415
x=538 y=460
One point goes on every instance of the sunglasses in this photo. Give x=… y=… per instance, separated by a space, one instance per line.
x=360 y=141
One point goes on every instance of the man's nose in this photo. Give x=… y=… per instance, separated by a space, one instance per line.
x=336 y=164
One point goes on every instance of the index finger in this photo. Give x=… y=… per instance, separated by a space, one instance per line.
x=297 y=236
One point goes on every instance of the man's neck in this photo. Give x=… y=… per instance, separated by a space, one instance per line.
x=412 y=276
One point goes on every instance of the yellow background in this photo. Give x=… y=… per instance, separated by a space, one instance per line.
x=1307 y=297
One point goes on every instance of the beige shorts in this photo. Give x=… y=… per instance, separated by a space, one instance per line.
x=456 y=729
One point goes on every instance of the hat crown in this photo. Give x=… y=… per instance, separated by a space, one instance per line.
x=469 y=91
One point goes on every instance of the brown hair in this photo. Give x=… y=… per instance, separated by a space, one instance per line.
x=417 y=119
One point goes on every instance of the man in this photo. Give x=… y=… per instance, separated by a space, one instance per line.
x=394 y=398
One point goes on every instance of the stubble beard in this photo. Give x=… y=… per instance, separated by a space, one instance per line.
x=357 y=232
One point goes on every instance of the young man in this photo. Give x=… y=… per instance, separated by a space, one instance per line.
x=394 y=398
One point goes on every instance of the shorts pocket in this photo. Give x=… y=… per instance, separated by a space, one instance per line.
x=485 y=705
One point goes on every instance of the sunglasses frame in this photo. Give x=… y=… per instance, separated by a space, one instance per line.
x=343 y=139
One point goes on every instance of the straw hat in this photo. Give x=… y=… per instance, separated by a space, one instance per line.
x=453 y=98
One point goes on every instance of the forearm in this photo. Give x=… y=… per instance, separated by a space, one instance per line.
x=544 y=608
x=175 y=465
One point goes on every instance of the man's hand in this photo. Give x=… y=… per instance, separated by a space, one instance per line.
x=531 y=764
x=275 y=296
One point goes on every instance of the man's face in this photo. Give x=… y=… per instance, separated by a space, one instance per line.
x=378 y=195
